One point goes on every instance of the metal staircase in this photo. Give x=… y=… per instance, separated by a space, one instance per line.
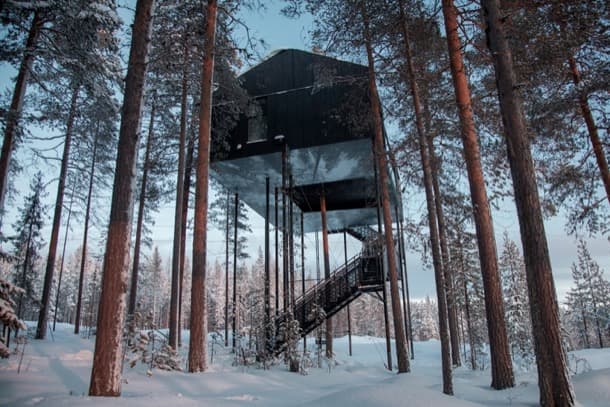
x=363 y=273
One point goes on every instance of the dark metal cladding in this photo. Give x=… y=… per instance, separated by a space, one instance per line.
x=318 y=107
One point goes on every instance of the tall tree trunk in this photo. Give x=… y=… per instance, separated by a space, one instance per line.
x=83 y=259
x=24 y=273
x=174 y=302
x=291 y=244
x=41 y=328
x=329 y=321
x=107 y=358
x=135 y=267
x=501 y=365
x=14 y=113
x=447 y=269
x=427 y=177
x=227 y=231
x=585 y=110
x=197 y=348
x=235 y=248
x=63 y=255
x=553 y=378
x=473 y=357
x=188 y=169
x=382 y=165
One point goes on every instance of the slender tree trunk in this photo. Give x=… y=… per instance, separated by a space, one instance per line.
x=329 y=321
x=473 y=358
x=594 y=304
x=277 y=254
x=188 y=169
x=584 y=324
x=553 y=378
x=135 y=267
x=174 y=303
x=83 y=259
x=24 y=272
x=267 y=287
x=585 y=110
x=227 y=226
x=381 y=269
x=501 y=365
x=14 y=113
x=382 y=165
x=291 y=244
x=107 y=358
x=349 y=317
x=285 y=279
x=41 y=328
x=447 y=269
x=92 y=302
x=63 y=256
x=234 y=304
x=198 y=348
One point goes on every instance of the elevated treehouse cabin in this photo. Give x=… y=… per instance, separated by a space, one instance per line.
x=306 y=134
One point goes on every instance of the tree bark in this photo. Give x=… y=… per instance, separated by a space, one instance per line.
x=447 y=269
x=553 y=378
x=14 y=113
x=473 y=357
x=107 y=358
x=81 y=277
x=188 y=169
x=382 y=165
x=198 y=348
x=63 y=256
x=501 y=364
x=598 y=148
x=26 y=260
x=174 y=303
x=329 y=321
x=135 y=267
x=227 y=231
x=234 y=303
x=41 y=328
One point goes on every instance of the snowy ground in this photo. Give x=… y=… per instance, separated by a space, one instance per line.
x=56 y=373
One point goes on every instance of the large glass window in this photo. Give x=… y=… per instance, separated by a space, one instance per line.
x=257 y=121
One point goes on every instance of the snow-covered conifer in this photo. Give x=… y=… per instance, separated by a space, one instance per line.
x=516 y=302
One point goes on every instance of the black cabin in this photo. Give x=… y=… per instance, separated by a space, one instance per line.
x=312 y=113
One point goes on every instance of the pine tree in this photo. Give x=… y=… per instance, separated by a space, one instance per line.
x=8 y=316
x=553 y=378
x=28 y=243
x=76 y=37
x=564 y=73
x=197 y=345
x=589 y=299
x=519 y=325
x=106 y=371
x=153 y=291
x=11 y=129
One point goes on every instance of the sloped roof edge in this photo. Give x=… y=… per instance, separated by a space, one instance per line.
x=278 y=51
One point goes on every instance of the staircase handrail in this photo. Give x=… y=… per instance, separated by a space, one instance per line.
x=320 y=285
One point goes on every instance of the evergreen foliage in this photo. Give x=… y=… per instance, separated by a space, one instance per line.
x=28 y=243
x=516 y=304
x=8 y=317
x=589 y=301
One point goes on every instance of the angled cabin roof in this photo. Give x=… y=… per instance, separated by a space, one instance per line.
x=317 y=109
x=307 y=98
